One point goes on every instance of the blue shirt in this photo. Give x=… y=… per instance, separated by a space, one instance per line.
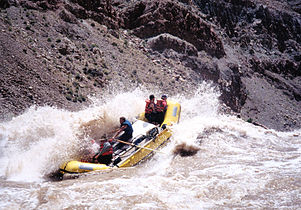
x=129 y=129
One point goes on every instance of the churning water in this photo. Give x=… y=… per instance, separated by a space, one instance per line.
x=238 y=165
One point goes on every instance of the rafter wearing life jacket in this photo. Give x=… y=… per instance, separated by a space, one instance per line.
x=108 y=149
x=161 y=106
x=150 y=107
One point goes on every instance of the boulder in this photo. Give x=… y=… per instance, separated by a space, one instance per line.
x=167 y=41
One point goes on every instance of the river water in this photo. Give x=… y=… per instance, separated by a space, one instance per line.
x=238 y=165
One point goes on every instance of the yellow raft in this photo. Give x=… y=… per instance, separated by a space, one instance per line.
x=146 y=136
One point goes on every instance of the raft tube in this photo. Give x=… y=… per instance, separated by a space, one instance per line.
x=75 y=166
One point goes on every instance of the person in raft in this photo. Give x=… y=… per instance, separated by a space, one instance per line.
x=150 y=110
x=125 y=126
x=105 y=154
x=161 y=108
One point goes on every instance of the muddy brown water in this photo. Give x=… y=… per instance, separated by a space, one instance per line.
x=236 y=165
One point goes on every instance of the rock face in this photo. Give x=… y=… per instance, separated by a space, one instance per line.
x=188 y=34
x=268 y=34
x=100 y=11
x=276 y=27
x=151 y=18
x=167 y=41
x=250 y=49
x=4 y=4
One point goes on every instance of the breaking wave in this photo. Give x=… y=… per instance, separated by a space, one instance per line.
x=213 y=160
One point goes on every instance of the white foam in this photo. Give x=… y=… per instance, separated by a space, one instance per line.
x=239 y=165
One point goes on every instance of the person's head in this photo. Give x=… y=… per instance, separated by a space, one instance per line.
x=122 y=119
x=151 y=97
x=164 y=97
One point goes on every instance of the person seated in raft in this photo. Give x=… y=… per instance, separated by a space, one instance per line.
x=150 y=109
x=105 y=154
x=125 y=126
x=161 y=108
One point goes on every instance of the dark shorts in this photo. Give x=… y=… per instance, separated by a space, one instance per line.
x=123 y=137
x=151 y=117
x=160 y=117
x=105 y=159
x=155 y=117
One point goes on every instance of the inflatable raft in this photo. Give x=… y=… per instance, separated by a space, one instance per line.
x=147 y=138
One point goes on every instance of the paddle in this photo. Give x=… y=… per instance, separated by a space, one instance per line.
x=124 y=142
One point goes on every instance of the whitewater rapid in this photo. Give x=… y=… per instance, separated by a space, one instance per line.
x=238 y=165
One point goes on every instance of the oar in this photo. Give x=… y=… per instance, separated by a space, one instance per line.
x=124 y=142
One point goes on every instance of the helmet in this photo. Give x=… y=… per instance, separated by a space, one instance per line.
x=163 y=96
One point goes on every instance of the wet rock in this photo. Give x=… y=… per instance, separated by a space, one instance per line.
x=185 y=150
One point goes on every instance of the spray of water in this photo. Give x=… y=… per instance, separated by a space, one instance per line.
x=35 y=143
x=38 y=141
x=237 y=165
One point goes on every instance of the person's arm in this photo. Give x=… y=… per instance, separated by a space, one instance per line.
x=165 y=106
x=119 y=131
x=153 y=107
x=106 y=147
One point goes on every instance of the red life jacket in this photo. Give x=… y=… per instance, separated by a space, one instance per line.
x=161 y=106
x=148 y=108
x=109 y=152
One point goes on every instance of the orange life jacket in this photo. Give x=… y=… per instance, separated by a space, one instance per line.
x=109 y=152
x=148 y=108
x=161 y=105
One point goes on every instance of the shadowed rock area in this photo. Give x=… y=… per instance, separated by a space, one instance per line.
x=185 y=150
x=57 y=53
